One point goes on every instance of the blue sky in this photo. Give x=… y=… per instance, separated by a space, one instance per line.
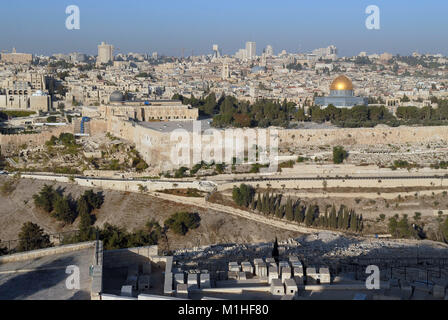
x=167 y=26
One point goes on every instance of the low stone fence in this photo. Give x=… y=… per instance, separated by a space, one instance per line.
x=23 y=256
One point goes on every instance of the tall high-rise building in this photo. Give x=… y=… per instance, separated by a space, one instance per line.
x=329 y=52
x=216 y=51
x=105 y=53
x=269 y=51
x=241 y=54
x=251 y=50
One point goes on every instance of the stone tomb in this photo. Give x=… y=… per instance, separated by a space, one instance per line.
x=192 y=281
x=273 y=273
x=277 y=288
x=204 y=280
x=291 y=287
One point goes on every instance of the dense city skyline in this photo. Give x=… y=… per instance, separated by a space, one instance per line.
x=141 y=26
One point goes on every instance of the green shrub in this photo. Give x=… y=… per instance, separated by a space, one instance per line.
x=182 y=222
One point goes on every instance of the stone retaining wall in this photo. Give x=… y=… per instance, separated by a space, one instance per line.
x=45 y=252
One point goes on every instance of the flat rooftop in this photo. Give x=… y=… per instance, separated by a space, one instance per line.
x=44 y=278
x=169 y=126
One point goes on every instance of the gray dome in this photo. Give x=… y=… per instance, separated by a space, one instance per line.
x=257 y=69
x=116 y=96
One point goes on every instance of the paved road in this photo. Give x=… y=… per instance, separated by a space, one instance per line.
x=45 y=278
x=341 y=178
x=219 y=181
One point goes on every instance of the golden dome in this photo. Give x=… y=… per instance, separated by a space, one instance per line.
x=341 y=83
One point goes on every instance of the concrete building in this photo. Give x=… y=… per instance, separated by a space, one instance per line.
x=241 y=54
x=153 y=110
x=21 y=95
x=251 y=49
x=78 y=57
x=329 y=52
x=269 y=51
x=17 y=58
x=216 y=51
x=225 y=72
x=105 y=53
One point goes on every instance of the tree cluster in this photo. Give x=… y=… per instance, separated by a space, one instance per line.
x=243 y=195
x=339 y=155
x=114 y=237
x=228 y=111
x=181 y=222
x=274 y=205
x=358 y=116
x=33 y=237
x=402 y=228
x=64 y=208
x=263 y=113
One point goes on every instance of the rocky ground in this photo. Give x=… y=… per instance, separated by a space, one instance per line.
x=131 y=211
x=317 y=249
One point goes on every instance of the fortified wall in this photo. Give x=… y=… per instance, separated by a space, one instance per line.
x=157 y=148
x=11 y=141
x=362 y=136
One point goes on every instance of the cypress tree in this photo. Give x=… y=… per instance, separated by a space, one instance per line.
x=282 y=211
x=259 y=204
x=340 y=217
x=346 y=222
x=289 y=210
x=253 y=205
x=309 y=216
x=326 y=222
x=360 y=223
x=296 y=211
x=302 y=213
x=272 y=202
x=265 y=204
x=333 y=219
x=353 y=222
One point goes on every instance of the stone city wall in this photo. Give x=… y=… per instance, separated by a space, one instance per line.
x=157 y=148
x=363 y=136
x=9 y=141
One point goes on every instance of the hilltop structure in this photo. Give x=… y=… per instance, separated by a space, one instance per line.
x=342 y=95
